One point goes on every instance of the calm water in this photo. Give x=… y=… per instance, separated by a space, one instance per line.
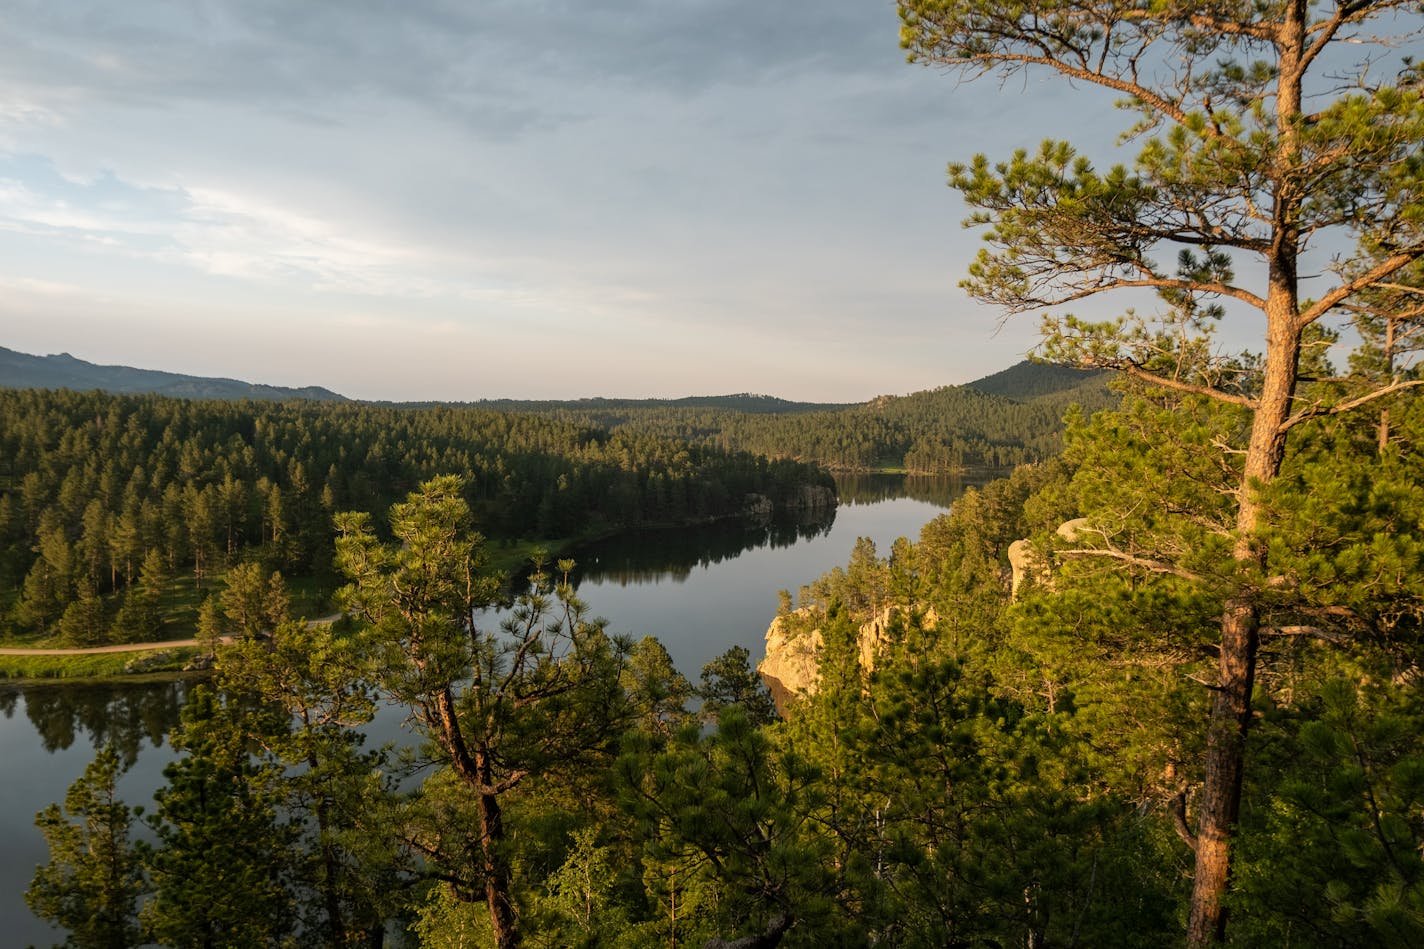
x=703 y=591
x=699 y=591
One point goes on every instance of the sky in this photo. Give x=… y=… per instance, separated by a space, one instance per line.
x=465 y=199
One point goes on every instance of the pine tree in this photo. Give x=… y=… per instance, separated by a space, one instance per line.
x=94 y=878
x=541 y=695
x=221 y=866
x=84 y=622
x=1260 y=143
x=245 y=599
x=319 y=680
x=139 y=618
x=729 y=681
x=731 y=809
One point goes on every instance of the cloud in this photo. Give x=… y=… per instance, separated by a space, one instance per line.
x=605 y=178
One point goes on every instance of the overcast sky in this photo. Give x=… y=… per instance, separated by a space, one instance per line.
x=479 y=198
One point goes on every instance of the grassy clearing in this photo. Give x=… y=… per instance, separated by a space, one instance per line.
x=96 y=665
x=179 y=603
x=512 y=556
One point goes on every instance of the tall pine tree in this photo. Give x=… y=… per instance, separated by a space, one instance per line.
x=1268 y=131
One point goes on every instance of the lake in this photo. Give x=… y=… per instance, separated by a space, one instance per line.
x=701 y=591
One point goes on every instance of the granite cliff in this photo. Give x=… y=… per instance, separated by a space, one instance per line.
x=794 y=644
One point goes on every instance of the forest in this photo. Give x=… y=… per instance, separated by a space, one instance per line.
x=1007 y=419
x=1011 y=768
x=120 y=513
x=1190 y=714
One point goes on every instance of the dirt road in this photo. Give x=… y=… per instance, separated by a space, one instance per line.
x=94 y=650
x=134 y=647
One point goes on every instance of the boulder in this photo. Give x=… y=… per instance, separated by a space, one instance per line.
x=1025 y=560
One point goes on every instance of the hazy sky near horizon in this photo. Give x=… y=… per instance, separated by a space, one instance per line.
x=456 y=200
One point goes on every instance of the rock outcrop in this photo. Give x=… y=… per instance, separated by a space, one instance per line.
x=807 y=498
x=813 y=497
x=1026 y=560
x=757 y=507
x=791 y=666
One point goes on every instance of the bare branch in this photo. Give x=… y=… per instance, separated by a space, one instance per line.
x=1401 y=287
x=1134 y=370
x=1315 y=631
x=504 y=784
x=1325 y=32
x=1306 y=415
x=1155 y=566
x=1178 y=808
x=1174 y=283
x=1340 y=294
x=1261 y=31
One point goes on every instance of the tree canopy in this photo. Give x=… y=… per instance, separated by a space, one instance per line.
x=1274 y=139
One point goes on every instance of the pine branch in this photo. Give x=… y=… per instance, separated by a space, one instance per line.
x=1132 y=368
x=1161 y=283
x=1155 y=566
x=1306 y=415
x=1364 y=281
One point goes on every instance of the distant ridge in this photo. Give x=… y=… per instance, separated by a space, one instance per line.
x=1023 y=382
x=63 y=371
x=741 y=402
x=1027 y=380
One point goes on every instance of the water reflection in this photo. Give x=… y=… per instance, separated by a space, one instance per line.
x=673 y=554
x=121 y=714
x=939 y=490
x=651 y=556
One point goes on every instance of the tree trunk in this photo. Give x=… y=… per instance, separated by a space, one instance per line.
x=1240 y=620
x=330 y=860
x=474 y=769
x=1220 y=801
x=497 y=884
x=1221 y=785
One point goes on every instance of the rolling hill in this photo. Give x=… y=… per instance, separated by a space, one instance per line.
x=63 y=371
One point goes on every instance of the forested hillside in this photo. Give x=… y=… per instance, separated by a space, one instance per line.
x=1016 y=418
x=1025 y=381
x=107 y=499
x=63 y=371
x=99 y=491
x=1008 y=418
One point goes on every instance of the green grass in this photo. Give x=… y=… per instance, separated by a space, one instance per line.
x=101 y=665
x=311 y=597
x=511 y=556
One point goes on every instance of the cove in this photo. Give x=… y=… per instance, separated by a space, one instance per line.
x=703 y=591
x=700 y=591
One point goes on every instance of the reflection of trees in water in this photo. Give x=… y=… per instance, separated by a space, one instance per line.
x=121 y=714
x=651 y=555
x=940 y=490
